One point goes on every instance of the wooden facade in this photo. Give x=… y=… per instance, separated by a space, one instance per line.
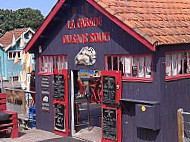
x=149 y=109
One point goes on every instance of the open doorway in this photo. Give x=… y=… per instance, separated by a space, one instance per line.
x=87 y=106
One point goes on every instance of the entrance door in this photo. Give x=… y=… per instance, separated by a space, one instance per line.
x=111 y=109
x=60 y=101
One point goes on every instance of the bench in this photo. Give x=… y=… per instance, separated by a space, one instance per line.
x=8 y=119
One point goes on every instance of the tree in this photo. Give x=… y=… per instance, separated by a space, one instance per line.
x=20 y=18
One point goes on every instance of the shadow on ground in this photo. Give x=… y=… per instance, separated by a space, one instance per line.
x=68 y=139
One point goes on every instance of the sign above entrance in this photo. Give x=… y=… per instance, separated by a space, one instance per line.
x=86 y=56
x=81 y=23
x=84 y=23
x=88 y=73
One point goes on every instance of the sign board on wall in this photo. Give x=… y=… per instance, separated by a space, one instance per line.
x=59 y=87
x=45 y=92
x=81 y=23
x=86 y=56
x=109 y=124
x=59 y=118
x=109 y=90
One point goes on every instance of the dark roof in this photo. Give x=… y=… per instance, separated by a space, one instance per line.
x=152 y=22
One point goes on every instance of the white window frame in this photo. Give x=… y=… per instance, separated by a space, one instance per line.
x=175 y=66
x=13 y=51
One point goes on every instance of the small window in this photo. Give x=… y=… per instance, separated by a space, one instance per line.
x=49 y=63
x=132 y=67
x=177 y=64
x=12 y=55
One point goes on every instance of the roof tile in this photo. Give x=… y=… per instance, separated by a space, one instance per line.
x=6 y=39
x=164 y=21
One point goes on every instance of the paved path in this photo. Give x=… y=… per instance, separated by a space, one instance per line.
x=38 y=136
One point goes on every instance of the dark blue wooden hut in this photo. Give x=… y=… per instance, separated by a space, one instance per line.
x=143 y=44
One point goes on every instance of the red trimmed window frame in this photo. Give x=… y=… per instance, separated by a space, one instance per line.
x=178 y=76
x=131 y=78
x=53 y=59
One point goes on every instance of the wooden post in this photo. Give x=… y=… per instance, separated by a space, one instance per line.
x=180 y=125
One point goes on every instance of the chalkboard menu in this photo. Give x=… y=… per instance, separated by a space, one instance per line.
x=59 y=87
x=59 y=117
x=45 y=92
x=109 y=90
x=109 y=124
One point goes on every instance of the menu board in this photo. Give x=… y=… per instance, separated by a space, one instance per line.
x=45 y=92
x=109 y=90
x=59 y=87
x=59 y=117
x=109 y=124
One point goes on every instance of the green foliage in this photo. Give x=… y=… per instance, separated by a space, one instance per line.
x=20 y=18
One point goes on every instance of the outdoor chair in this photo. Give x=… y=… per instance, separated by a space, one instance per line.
x=8 y=119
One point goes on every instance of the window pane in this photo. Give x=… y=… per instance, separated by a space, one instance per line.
x=179 y=63
x=148 y=68
x=168 y=65
x=49 y=64
x=188 y=62
x=54 y=62
x=121 y=65
x=66 y=63
x=174 y=64
x=141 y=67
x=45 y=64
x=18 y=54
x=14 y=54
x=127 y=68
x=109 y=63
x=59 y=64
x=63 y=63
x=134 y=66
x=185 y=63
x=10 y=55
x=115 y=63
x=41 y=64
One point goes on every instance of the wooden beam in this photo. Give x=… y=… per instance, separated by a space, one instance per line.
x=180 y=125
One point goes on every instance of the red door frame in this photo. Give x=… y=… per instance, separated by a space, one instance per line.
x=63 y=102
x=117 y=75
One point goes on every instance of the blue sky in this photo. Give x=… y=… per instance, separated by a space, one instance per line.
x=43 y=5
